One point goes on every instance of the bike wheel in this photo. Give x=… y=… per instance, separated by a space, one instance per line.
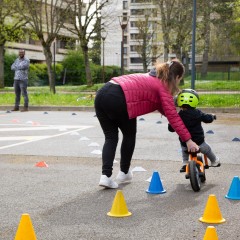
x=194 y=176
x=203 y=176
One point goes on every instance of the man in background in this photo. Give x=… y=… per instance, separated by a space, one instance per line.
x=21 y=67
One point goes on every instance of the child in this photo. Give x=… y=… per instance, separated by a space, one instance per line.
x=188 y=100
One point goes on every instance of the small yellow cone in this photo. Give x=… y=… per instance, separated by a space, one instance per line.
x=210 y=234
x=119 y=207
x=25 y=229
x=212 y=213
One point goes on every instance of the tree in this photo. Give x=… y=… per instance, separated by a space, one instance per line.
x=176 y=27
x=205 y=29
x=215 y=29
x=147 y=46
x=86 y=13
x=181 y=27
x=10 y=30
x=46 y=18
x=95 y=51
x=166 y=8
x=236 y=27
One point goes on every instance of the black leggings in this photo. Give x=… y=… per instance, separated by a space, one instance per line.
x=111 y=111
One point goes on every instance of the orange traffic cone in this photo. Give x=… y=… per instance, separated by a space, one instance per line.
x=212 y=213
x=25 y=229
x=41 y=164
x=210 y=234
x=119 y=206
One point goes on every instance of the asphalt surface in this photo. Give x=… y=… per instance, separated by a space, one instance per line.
x=64 y=200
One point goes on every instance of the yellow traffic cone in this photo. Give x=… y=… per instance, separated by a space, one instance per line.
x=25 y=229
x=210 y=234
x=119 y=207
x=212 y=213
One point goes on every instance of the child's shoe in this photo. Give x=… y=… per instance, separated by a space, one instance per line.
x=216 y=163
x=122 y=177
x=184 y=165
x=183 y=168
x=107 y=182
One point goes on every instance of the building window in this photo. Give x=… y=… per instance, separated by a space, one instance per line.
x=31 y=41
x=125 y=17
x=136 y=60
x=125 y=62
x=68 y=16
x=140 y=1
x=134 y=36
x=133 y=24
x=125 y=50
x=137 y=11
x=133 y=48
x=125 y=5
x=66 y=43
x=125 y=41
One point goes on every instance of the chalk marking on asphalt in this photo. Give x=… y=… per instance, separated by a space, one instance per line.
x=30 y=128
x=47 y=137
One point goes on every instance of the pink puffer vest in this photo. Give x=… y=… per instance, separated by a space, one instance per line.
x=145 y=94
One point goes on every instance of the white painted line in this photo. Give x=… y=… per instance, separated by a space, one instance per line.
x=47 y=137
x=19 y=138
x=39 y=128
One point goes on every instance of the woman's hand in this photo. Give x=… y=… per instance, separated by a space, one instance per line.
x=192 y=146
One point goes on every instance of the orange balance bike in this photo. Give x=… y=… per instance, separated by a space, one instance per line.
x=195 y=170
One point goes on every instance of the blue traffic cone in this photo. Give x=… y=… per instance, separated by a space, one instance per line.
x=155 y=186
x=234 y=190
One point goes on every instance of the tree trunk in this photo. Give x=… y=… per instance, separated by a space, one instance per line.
x=206 y=30
x=87 y=65
x=185 y=62
x=144 y=54
x=2 y=66
x=51 y=75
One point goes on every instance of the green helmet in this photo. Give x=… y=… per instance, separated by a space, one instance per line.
x=188 y=97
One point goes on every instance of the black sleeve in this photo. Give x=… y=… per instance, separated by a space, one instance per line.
x=170 y=128
x=206 y=118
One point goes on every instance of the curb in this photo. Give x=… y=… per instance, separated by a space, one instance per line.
x=52 y=108
x=91 y=109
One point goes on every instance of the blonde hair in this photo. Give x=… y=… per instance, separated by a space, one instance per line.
x=168 y=72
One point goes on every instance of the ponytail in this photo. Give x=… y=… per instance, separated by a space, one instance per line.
x=167 y=72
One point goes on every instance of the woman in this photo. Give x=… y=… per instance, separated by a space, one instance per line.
x=121 y=100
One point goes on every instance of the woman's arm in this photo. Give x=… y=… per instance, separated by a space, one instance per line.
x=192 y=146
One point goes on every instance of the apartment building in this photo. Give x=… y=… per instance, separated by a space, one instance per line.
x=140 y=36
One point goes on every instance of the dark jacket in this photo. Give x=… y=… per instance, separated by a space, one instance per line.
x=192 y=119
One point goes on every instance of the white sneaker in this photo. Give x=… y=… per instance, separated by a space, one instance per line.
x=107 y=182
x=122 y=177
x=216 y=163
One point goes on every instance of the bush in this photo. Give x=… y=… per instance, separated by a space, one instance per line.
x=38 y=75
x=109 y=72
x=74 y=68
x=8 y=73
